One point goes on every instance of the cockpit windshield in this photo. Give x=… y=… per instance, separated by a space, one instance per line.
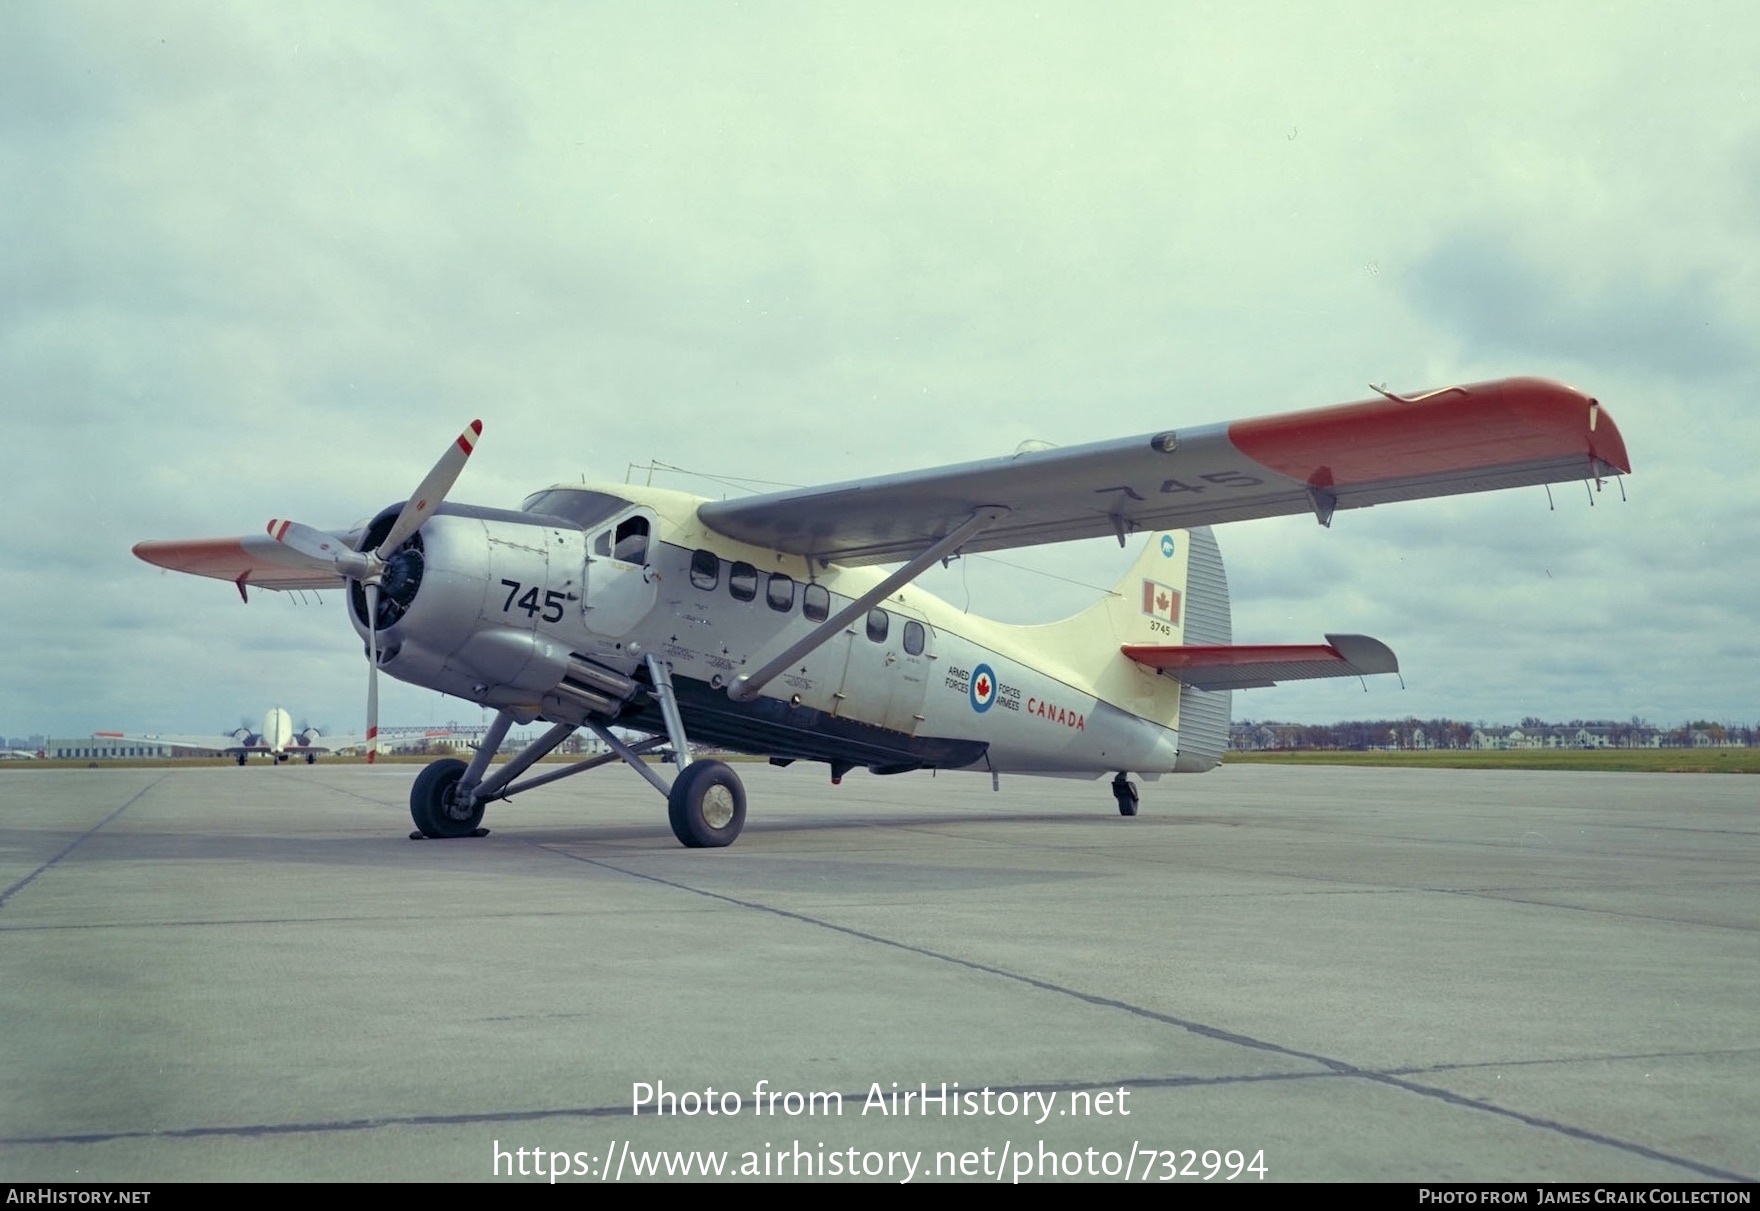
x=583 y=507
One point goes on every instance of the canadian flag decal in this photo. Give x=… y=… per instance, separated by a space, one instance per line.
x=1160 y=601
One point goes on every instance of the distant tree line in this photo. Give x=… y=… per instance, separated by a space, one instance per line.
x=1531 y=733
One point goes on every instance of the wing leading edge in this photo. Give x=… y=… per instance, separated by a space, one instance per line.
x=1505 y=434
x=1254 y=666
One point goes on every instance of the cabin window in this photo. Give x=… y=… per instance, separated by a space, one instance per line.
x=913 y=638
x=705 y=570
x=878 y=623
x=742 y=581
x=780 y=593
x=816 y=603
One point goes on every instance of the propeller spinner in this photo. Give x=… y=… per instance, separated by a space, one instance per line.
x=369 y=568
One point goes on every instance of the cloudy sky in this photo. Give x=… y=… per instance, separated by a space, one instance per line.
x=266 y=260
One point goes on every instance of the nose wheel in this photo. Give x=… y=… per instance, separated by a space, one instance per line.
x=1125 y=791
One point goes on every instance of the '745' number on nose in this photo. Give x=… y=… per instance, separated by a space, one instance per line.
x=551 y=605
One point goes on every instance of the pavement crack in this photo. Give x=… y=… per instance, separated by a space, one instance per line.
x=75 y=843
x=1334 y=1066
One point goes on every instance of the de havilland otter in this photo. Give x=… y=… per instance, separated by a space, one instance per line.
x=766 y=625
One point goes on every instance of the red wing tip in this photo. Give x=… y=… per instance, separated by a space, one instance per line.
x=109 y=735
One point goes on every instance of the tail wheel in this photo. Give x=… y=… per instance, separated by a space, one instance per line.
x=707 y=805
x=1125 y=791
x=432 y=805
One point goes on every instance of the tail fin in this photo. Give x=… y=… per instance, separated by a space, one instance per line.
x=1175 y=593
x=1204 y=714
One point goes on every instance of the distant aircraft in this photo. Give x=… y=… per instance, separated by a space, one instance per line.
x=276 y=740
x=761 y=625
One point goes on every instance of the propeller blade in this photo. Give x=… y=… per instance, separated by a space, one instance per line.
x=321 y=550
x=372 y=671
x=431 y=491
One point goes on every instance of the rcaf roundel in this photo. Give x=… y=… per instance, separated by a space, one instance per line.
x=983 y=688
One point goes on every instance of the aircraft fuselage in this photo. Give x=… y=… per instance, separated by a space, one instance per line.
x=595 y=578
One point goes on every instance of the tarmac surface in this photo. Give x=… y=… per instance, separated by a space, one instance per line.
x=1344 y=974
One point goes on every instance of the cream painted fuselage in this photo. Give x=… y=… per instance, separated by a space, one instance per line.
x=539 y=612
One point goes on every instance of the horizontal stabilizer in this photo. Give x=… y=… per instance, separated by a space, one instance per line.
x=1253 y=666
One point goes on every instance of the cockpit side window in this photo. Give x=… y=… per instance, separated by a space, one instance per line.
x=631 y=543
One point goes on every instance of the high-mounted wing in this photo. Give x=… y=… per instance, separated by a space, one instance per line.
x=1475 y=438
x=254 y=559
x=1254 y=666
x=205 y=744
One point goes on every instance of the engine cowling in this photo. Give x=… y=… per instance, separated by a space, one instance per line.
x=478 y=603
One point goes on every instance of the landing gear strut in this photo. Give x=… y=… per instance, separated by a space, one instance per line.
x=1125 y=791
x=705 y=803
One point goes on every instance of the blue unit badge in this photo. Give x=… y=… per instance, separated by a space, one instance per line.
x=1167 y=545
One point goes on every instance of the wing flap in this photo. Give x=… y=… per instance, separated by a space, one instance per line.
x=1477 y=438
x=1255 y=666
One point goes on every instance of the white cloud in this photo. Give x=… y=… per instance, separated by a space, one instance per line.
x=265 y=261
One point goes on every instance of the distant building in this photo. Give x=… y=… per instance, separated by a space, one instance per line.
x=93 y=748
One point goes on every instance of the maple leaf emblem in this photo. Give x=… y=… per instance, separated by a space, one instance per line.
x=1163 y=602
x=983 y=686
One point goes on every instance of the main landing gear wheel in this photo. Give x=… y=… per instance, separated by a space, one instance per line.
x=707 y=805
x=431 y=803
x=1125 y=791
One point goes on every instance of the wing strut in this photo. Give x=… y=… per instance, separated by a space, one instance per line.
x=745 y=687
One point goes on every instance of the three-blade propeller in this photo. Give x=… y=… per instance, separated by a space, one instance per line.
x=328 y=553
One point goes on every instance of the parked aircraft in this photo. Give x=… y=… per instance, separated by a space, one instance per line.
x=276 y=739
x=764 y=624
